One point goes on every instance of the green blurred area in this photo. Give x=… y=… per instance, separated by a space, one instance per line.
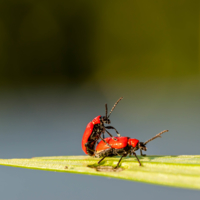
x=88 y=41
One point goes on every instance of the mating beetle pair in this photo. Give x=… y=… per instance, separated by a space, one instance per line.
x=111 y=146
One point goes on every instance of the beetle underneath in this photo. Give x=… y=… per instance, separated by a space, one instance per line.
x=123 y=146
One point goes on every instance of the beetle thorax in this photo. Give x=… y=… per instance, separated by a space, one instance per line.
x=133 y=142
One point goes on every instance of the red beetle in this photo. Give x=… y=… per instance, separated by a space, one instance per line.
x=123 y=146
x=94 y=129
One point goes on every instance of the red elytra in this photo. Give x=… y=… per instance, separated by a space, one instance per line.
x=120 y=143
x=88 y=131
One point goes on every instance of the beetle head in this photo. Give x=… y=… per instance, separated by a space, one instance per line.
x=142 y=146
x=105 y=120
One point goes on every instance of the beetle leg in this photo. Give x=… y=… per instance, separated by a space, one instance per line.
x=142 y=153
x=111 y=135
x=111 y=127
x=105 y=141
x=136 y=157
x=91 y=150
x=115 y=152
x=102 y=159
x=86 y=144
x=124 y=155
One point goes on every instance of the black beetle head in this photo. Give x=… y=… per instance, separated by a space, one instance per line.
x=105 y=120
x=142 y=146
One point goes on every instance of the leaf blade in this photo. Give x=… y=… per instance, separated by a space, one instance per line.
x=178 y=171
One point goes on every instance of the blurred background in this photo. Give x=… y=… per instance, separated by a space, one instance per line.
x=61 y=61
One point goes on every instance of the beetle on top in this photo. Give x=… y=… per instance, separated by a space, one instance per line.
x=95 y=128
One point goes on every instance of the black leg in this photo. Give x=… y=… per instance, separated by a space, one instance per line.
x=102 y=159
x=142 y=153
x=137 y=158
x=120 y=161
x=111 y=127
x=86 y=145
x=111 y=136
x=109 y=133
x=105 y=141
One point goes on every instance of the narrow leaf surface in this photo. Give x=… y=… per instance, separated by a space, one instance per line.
x=178 y=171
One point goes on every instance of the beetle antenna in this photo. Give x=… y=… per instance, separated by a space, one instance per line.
x=115 y=105
x=158 y=135
x=106 y=110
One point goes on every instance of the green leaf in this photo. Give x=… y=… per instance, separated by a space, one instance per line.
x=179 y=171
